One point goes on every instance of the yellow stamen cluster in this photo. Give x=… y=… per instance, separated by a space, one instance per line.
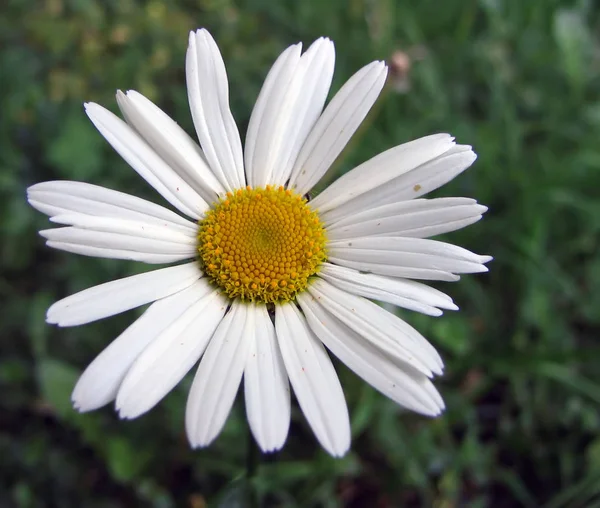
x=261 y=244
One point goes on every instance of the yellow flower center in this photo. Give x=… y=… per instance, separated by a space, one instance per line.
x=261 y=244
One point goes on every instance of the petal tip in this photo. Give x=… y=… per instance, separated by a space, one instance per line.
x=89 y=106
x=339 y=453
x=52 y=320
x=270 y=447
x=79 y=403
x=126 y=413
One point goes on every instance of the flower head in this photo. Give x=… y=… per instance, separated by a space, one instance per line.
x=261 y=245
x=274 y=278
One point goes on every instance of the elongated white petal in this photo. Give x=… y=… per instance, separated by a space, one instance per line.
x=170 y=142
x=397 y=208
x=110 y=233
x=407 y=258
x=410 y=289
x=384 y=296
x=430 y=230
x=121 y=295
x=374 y=324
x=219 y=374
x=61 y=197
x=431 y=175
x=117 y=245
x=99 y=383
x=159 y=368
x=316 y=71
x=390 y=270
x=416 y=245
x=164 y=233
x=389 y=319
x=314 y=380
x=111 y=253
x=408 y=218
x=208 y=95
x=405 y=255
x=337 y=124
x=146 y=161
x=279 y=75
x=408 y=388
x=266 y=386
x=404 y=293
x=410 y=185
x=381 y=169
x=287 y=108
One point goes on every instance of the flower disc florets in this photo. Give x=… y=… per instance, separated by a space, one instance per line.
x=261 y=244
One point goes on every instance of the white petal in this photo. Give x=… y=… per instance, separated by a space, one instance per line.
x=404 y=293
x=61 y=197
x=433 y=174
x=208 y=95
x=390 y=270
x=381 y=169
x=381 y=315
x=219 y=374
x=126 y=240
x=163 y=233
x=408 y=218
x=111 y=253
x=377 y=326
x=121 y=295
x=266 y=386
x=336 y=126
x=316 y=71
x=397 y=208
x=314 y=380
x=159 y=368
x=415 y=183
x=430 y=230
x=280 y=74
x=287 y=108
x=99 y=384
x=146 y=162
x=408 y=388
x=406 y=256
x=170 y=142
x=411 y=245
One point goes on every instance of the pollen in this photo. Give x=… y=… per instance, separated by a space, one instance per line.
x=261 y=244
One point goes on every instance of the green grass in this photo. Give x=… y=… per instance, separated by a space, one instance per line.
x=519 y=80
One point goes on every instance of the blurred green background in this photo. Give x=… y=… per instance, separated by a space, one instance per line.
x=519 y=80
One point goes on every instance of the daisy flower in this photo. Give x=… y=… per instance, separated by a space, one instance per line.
x=273 y=280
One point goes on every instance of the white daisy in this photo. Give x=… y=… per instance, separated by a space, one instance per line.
x=273 y=278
